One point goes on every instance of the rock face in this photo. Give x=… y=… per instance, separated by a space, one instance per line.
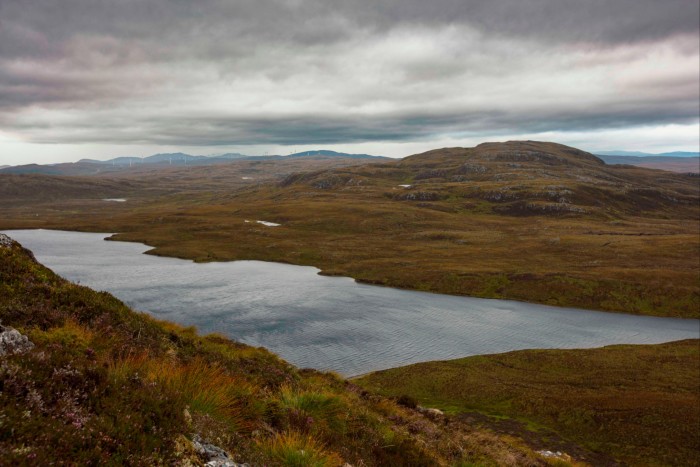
x=12 y=342
x=214 y=456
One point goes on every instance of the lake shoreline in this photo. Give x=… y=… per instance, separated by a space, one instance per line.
x=157 y=251
x=305 y=320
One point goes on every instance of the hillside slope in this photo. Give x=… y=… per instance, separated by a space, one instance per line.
x=100 y=384
x=525 y=220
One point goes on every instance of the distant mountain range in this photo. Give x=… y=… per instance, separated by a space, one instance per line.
x=166 y=158
x=686 y=164
x=647 y=154
x=674 y=161
x=182 y=158
x=94 y=166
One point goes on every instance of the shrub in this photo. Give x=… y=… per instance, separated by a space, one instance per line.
x=297 y=450
x=407 y=401
x=308 y=409
x=209 y=389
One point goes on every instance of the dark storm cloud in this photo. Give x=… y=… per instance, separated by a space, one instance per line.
x=215 y=72
x=29 y=22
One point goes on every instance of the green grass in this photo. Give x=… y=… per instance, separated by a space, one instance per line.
x=639 y=404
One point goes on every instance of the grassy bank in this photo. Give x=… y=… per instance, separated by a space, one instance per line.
x=639 y=404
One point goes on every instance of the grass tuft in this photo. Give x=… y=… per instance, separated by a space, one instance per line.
x=299 y=450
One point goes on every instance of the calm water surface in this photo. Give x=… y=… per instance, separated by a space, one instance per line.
x=330 y=323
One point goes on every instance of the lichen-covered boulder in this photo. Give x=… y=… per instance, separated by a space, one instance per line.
x=5 y=241
x=13 y=342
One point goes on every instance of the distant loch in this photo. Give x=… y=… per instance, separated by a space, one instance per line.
x=331 y=323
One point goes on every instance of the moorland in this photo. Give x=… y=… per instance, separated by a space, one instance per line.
x=638 y=404
x=531 y=221
x=104 y=385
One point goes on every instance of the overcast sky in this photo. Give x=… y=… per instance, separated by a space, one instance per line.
x=97 y=78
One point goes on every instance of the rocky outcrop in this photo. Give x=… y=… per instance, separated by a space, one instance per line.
x=213 y=456
x=418 y=196
x=12 y=341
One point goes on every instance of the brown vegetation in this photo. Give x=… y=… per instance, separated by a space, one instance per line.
x=104 y=385
x=639 y=404
x=531 y=221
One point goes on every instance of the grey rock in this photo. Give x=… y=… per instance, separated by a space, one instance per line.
x=5 y=241
x=213 y=455
x=430 y=412
x=418 y=196
x=13 y=342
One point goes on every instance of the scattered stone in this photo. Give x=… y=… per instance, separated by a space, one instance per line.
x=555 y=455
x=418 y=196
x=336 y=181
x=472 y=168
x=5 y=241
x=554 y=207
x=433 y=173
x=12 y=342
x=430 y=413
x=213 y=456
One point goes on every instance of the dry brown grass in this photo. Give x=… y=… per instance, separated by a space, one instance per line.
x=638 y=404
x=528 y=221
x=107 y=386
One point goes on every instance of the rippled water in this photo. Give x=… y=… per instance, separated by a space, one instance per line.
x=330 y=323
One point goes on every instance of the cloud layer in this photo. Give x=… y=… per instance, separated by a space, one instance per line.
x=283 y=72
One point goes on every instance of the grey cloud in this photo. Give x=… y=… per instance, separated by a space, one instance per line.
x=41 y=27
x=31 y=85
x=126 y=61
x=215 y=130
